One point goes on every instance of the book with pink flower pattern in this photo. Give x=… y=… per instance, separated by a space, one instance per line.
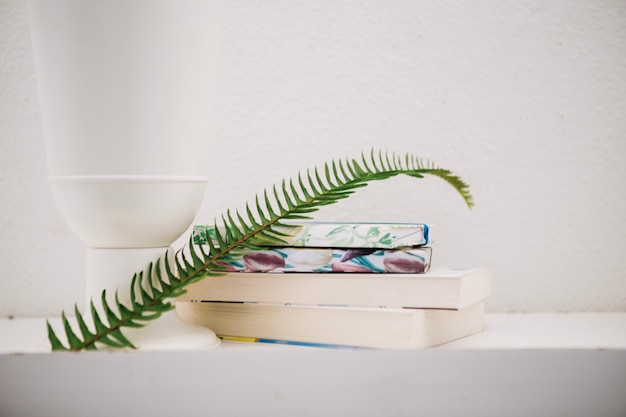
x=290 y=259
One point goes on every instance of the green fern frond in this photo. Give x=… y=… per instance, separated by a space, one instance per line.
x=152 y=290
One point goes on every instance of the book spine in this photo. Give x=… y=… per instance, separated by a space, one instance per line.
x=319 y=260
x=338 y=235
x=284 y=342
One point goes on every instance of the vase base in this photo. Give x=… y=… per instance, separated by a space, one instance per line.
x=170 y=333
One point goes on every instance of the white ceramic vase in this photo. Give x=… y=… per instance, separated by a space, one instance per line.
x=127 y=93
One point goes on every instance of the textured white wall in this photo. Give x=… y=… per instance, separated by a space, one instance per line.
x=525 y=100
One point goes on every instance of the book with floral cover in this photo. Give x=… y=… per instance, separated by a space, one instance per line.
x=342 y=235
x=292 y=259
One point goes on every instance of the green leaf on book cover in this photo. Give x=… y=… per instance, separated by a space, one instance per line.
x=293 y=199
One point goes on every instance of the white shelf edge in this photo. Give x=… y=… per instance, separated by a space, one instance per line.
x=502 y=331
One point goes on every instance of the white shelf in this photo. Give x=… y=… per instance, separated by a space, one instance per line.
x=502 y=331
x=521 y=365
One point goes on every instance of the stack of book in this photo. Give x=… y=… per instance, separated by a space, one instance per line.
x=359 y=285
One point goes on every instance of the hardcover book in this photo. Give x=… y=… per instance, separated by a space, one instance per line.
x=379 y=328
x=437 y=288
x=338 y=235
x=289 y=259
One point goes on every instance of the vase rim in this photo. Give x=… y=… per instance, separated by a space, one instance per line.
x=118 y=179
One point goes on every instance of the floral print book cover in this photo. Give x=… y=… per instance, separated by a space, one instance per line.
x=339 y=235
x=364 y=260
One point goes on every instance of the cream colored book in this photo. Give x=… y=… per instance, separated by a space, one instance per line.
x=378 y=328
x=437 y=288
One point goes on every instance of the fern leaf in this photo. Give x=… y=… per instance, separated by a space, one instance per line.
x=295 y=199
x=98 y=324
x=188 y=266
x=126 y=314
x=55 y=343
x=72 y=339
x=121 y=339
x=197 y=261
x=86 y=333
x=108 y=312
x=108 y=340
